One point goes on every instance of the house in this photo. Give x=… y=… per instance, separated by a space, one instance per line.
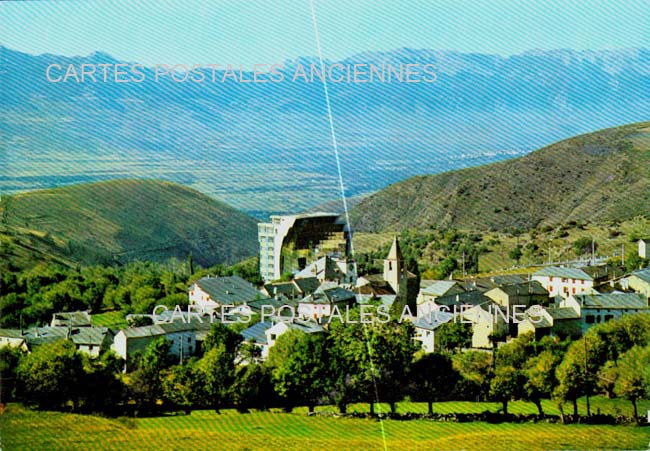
x=292 y=290
x=89 y=340
x=71 y=319
x=602 y=274
x=462 y=299
x=185 y=338
x=598 y=308
x=256 y=335
x=644 y=248
x=373 y=284
x=561 y=322
x=322 y=302
x=525 y=294
x=209 y=293
x=638 y=281
x=330 y=269
x=281 y=327
x=564 y=282
x=14 y=338
x=439 y=288
x=488 y=283
x=426 y=327
x=486 y=324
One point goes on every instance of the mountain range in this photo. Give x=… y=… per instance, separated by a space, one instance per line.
x=266 y=148
x=597 y=177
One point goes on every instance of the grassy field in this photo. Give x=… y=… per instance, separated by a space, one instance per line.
x=23 y=429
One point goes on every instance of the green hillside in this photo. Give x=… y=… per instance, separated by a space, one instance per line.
x=120 y=221
x=595 y=177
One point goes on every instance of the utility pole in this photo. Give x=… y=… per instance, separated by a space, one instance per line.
x=593 y=251
x=463 y=263
x=584 y=339
x=623 y=254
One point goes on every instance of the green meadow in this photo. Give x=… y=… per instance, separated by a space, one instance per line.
x=24 y=429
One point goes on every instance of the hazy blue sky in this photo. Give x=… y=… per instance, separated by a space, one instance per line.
x=248 y=32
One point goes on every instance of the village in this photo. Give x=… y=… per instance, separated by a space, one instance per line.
x=311 y=277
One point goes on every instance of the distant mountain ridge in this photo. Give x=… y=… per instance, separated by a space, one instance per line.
x=124 y=220
x=220 y=137
x=600 y=176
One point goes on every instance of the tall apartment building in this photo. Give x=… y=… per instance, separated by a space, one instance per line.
x=290 y=243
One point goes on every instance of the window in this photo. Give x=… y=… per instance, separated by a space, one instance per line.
x=550 y=288
x=609 y=317
x=273 y=336
x=590 y=319
x=573 y=290
x=189 y=339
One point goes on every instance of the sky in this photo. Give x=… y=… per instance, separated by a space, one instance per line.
x=270 y=31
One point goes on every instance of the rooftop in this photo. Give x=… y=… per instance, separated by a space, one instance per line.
x=612 y=301
x=229 y=290
x=568 y=273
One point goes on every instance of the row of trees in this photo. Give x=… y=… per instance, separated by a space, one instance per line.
x=612 y=359
x=352 y=363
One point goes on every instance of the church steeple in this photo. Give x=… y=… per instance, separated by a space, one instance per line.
x=394 y=266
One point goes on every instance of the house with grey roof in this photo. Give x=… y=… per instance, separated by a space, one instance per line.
x=560 y=322
x=256 y=336
x=209 y=293
x=14 y=338
x=71 y=319
x=282 y=327
x=185 y=338
x=426 y=327
x=599 y=308
x=292 y=290
x=564 y=282
x=638 y=281
x=89 y=340
x=438 y=289
x=322 y=302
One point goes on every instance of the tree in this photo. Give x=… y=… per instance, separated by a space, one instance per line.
x=476 y=369
x=253 y=388
x=9 y=360
x=447 y=266
x=181 y=385
x=216 y=370
x=433 y=377
x=539 y=375
x=516 y=253
x=146 y=381
x=299 y=363
x=633 y=382
x=224 y=335
x=390 y=350
x=583 y=245
x=50 y=376
x=105 y=372
x=505 y=385
x=454 y=335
